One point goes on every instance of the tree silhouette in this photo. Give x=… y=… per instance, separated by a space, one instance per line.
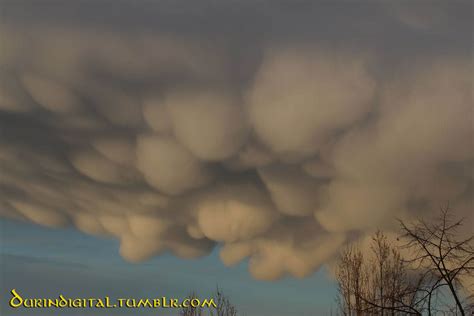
x=439 y=262
x=445 y=258
x=376 y=286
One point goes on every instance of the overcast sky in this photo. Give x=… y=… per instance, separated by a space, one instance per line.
x=234 y=142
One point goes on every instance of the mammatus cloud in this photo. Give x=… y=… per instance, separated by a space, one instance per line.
x=280 y=148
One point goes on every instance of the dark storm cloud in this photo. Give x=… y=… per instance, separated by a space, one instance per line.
x=278 y=130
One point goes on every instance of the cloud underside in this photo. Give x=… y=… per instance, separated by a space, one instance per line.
x=280 y=147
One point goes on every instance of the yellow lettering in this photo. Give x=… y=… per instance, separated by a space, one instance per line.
x=99 y=304
x=77 y=303
x=209 y=303
x=62 y=301
x=131 y=303
x=16 y=300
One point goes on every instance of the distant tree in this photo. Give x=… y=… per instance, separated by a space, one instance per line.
x=224 y=307
x=376 y=286
x=191 y=311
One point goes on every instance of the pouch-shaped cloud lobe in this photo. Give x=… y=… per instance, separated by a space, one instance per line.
x=280 y=140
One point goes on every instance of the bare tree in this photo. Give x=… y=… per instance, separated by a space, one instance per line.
x=445 y=258
x=224 y=307
x=439 y=263
x=191 y=311
x=377 y=286
x=350 y=281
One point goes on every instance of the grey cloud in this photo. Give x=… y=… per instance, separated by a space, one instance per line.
x=280 y=131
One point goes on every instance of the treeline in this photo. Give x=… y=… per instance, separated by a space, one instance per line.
x=435 y=277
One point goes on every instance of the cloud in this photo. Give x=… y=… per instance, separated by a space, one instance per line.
x=293 y=192
x=168 y=166
x=49 y=94
x=234 y=212
x=424 y=123
x=302 y=96
x=210 y=124
x=280 y=140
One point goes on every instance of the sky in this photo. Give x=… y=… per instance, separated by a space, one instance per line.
x=42 y=262
x=244 y=142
